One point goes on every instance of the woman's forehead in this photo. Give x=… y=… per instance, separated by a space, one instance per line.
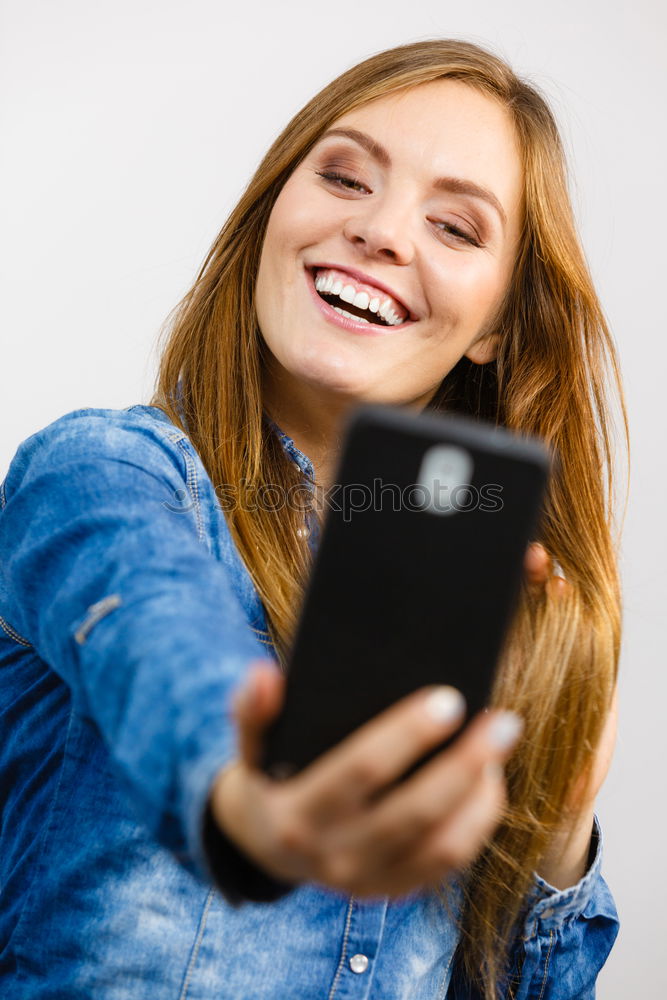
x=447 y=103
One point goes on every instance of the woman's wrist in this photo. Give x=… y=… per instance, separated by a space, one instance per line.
x=238 y=876
x=567 y=860
x=224 y=803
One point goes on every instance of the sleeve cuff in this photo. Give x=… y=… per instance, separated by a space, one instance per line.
x=238 y=879
x=550 y=908
x=211 y=855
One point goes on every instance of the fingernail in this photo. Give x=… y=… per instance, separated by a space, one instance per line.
x=445 y=704
x=505 y=730
x=557 y=569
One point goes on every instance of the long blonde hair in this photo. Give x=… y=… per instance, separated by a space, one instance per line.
x=551 y=378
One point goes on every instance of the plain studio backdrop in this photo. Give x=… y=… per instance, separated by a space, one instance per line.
x=129 y=130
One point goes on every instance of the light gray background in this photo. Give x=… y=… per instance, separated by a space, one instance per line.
x=129 y=130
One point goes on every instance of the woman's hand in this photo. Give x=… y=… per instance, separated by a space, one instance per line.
x=335 y=823
x=542 y=572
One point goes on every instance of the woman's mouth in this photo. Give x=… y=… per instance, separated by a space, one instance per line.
x=355 y=311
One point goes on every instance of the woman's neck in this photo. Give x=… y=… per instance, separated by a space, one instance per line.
x=315 y=419
x=314 y=422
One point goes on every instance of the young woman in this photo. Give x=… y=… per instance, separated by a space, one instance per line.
x=407 y=239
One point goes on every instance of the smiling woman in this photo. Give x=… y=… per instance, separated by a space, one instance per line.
x=407 y=240
x=432 y=206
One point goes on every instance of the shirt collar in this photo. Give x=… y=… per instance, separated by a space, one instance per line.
x=288 y=444
x=291 y=449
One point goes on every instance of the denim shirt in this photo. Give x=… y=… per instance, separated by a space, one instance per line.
x=126 y=623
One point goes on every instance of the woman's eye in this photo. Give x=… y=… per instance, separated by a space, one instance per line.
x=336 y=178
x=459 y=234
x=347 y=182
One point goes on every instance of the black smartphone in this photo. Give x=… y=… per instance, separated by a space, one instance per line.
x=416 y=576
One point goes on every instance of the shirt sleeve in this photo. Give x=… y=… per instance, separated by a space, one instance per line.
x=111 y=580
x=565 y=940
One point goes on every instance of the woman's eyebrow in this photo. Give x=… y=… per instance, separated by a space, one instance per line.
x=457 y=185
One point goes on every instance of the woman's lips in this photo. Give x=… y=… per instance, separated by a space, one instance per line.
x=329 y=313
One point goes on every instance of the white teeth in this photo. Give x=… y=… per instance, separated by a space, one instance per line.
x=334 y=286
x=357 y=319
x=388 y=313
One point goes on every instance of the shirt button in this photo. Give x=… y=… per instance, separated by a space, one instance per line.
x=358 y=963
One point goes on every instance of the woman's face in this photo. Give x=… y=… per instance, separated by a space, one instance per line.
x=444 y=249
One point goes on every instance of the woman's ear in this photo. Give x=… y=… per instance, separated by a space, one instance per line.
x=483 y=350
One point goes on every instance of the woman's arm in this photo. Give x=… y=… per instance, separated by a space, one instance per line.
x=567 y=936
x=565 y=939
x=567 y=860
x=573 y=925
x=572 y=922
x=109 y=578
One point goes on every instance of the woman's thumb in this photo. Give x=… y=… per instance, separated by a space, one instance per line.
x=256 y=704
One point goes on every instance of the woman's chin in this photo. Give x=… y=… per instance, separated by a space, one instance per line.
x=332 y=374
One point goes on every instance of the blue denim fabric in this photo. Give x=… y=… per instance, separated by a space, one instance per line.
x=127 y=620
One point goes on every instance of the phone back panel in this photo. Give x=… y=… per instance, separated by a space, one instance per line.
x=416 y=575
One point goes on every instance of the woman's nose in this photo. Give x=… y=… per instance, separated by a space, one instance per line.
x=381 y=231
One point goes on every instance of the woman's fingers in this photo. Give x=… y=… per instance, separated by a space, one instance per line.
x=556 y=586
x=542 y=572
x=329 y=824
x=431 y=796
x=536 y=565
x=256 y=703
x=460 y=840
x=377 y=753
x=448 y=846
